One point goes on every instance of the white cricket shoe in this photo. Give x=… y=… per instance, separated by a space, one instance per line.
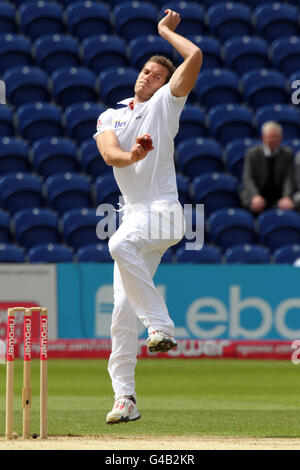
x=124 y=410
x=160 y=341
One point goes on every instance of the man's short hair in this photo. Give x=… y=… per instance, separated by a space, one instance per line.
x=162 y=60
x=271 y=125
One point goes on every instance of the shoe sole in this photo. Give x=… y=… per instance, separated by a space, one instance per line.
x=123 y=420
x=163 y=346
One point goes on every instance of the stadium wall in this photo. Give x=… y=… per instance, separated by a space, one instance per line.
x=219 y=310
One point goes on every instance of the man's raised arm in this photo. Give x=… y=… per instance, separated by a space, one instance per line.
x=185 y=76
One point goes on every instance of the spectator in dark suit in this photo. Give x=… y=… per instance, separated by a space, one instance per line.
x=268 y=179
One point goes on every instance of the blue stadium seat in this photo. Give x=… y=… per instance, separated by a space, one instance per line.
x=68 y=191
x=287 y=116
x=50 y=253
x=197 y=156
x=6 y=121
x=228 y=19
x=246 y=53
x=275 y=20
x=15 y=50
x=19 y=191
x=26 y=84
x=211 y=48
x=229 y=122
x=229 y=227
x=247 y=254
x=81 y=119
x=94 y=253
x=263 y=87
x=207 y=255
x=117 y=84
x=5 y=233
x=104 y=51
x=11 y=253
x=107 y=190
x=294 y=144
x=55 y=51
x=218 y=86
x=287 y=254
x=235 y=153
x=286 y=54
x=183 y=187
x=74 y=84
x=79 y=227
x=36 y=226
x=91 y=160
x=13 y=156
x=278 y=228
x=135 y=18
x=192 y=17
x=52 y=155
x=216 y=191
x=38 y=120
x=143 y=47
x=7 y=18
x=41 y=17
x=192 y=123
x=88 y=18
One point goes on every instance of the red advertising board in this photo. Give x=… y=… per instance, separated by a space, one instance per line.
x=189 y=349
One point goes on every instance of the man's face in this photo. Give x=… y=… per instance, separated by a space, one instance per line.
x=152 y=77
x=272 y=138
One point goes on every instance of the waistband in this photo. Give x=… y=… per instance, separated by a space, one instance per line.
x=169 y=198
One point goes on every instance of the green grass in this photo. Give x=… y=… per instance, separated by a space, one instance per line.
x=190 y=397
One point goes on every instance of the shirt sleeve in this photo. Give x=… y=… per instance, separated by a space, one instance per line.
x=171 y=106
x=104 y=123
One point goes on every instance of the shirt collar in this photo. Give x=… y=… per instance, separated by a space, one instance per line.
x=268 y=152
x=127 y=102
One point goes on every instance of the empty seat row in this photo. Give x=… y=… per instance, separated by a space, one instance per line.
x=225 y=227
x=230 y=227
x=73 y=85
x=99 y=253
x=34 y=121
x=31 y=84
x=193 y=156
x=239 y=254
x=273 y=229
x=99 y=52
x=76 y=228
x=130 y=19
x=54 y=253
x=62 y=191
x=224 y=122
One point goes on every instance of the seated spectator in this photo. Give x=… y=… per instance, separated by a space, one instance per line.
x=268 y=176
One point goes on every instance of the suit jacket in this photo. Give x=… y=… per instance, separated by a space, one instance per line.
x=255 y=173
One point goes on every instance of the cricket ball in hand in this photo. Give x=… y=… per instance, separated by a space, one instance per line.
x=146 y=144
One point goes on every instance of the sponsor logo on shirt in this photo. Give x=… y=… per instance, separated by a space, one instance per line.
x=119 y=124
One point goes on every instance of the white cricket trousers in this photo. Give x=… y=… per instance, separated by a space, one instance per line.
x=137 y=246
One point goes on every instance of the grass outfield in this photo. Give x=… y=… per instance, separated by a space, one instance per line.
x=175 y=396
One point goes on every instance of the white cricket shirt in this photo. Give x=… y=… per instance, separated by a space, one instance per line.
x=154 y=176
